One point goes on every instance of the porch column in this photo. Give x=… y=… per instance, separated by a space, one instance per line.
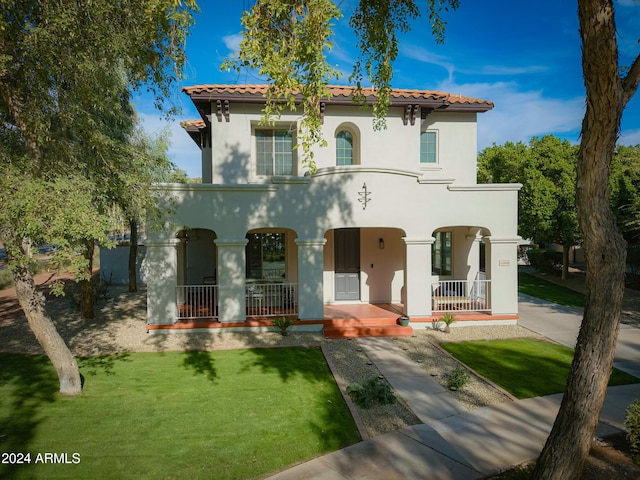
x=232 y=300
x=502 y=266
x=160 y=273
x=417 y=276
x=310 y=272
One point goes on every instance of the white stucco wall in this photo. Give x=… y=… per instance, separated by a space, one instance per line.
x=398 y=146
x=406 y=203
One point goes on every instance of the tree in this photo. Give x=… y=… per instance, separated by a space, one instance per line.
x=546 y=168
x=608 y=90
x=62 y=67
x=625 y=191
x=152 y=165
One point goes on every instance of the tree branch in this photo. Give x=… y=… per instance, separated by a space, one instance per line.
x=630 y=81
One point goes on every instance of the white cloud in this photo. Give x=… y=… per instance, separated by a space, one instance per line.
x=629 y=137
x=232 y=42
x=505 y=70
x=519 y=115
x=423 y=55
x=182 y=150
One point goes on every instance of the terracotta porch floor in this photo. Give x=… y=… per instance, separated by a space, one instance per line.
x=335 y=316
x=362 y=311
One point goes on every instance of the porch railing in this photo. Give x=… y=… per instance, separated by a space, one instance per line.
x=461 y=296
x=272 y=299
x=197 y=301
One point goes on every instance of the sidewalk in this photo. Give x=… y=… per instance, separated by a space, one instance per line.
x=459 y=445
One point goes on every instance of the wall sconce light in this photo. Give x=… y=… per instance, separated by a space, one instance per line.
x=381 y=244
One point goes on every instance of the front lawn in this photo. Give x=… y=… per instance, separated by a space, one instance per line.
x=523 y=367
x=537 y=287
x=225 y=414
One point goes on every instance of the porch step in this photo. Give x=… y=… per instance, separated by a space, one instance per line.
x=374 y=327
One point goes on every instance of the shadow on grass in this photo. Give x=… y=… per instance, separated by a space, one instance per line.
x=26 y=382
x=201 y=363
x=335 y=429
x=105 y=363
x=290 y=361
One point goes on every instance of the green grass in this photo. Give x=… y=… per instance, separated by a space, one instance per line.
x=523 y=367
x=226 y=414
x=537 y=287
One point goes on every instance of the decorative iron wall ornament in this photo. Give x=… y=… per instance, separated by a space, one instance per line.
x=364 y=196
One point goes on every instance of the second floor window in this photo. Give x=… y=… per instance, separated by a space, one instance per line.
x=428 y=147
x=344 y=148
x=274 y=152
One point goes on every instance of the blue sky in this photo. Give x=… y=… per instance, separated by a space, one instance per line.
x=523 y=56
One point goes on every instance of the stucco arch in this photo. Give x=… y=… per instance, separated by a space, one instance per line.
x=196 y=256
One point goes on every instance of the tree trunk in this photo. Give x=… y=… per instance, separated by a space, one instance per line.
x=568 y=444
x=565 y=261
x=133 y=254
x=87 y=297
x=33 y=305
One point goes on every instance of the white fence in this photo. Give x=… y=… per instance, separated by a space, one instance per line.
x=461 y=296
x=262 y=300
x=197 y=301
x=272 y=299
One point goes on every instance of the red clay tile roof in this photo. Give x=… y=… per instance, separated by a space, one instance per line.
x=193 y=124
x=398 y=96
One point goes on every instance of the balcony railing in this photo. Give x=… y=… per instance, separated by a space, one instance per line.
x=262 y=300
x=272 y=299
x=461 y=296
x=197 y=301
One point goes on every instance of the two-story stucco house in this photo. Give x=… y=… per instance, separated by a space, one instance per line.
x=393 y=218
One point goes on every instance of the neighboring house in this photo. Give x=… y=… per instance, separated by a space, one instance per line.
x=391 y=217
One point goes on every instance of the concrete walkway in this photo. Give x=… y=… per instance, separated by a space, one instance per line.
x=455 y=444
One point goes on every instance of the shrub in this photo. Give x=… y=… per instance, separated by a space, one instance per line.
x=283 y=323
x=545 y=261
x=632 y=424
x=448 y=319
x=372 y=392
x=458 y=378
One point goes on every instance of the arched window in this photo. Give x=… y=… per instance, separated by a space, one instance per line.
x=344 y=148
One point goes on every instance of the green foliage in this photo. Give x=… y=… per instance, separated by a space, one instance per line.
x=625 y=191
x=632 y=424
x=448 y=318
x=373 y=391
x=546 y=168
x=285 y=41
x=458 y=378
x=545 y=261
x=283 y=323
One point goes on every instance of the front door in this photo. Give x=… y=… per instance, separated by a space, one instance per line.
x=347 y=263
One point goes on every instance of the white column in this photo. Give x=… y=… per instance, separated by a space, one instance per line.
x=160 y=273
x=310 y=284
x=502 y=269
x=417 y=276
x=232 y=300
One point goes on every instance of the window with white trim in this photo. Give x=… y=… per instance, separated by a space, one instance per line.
x=429 y=147
x=344 y=148
x=274 y=152
x=441 y=253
